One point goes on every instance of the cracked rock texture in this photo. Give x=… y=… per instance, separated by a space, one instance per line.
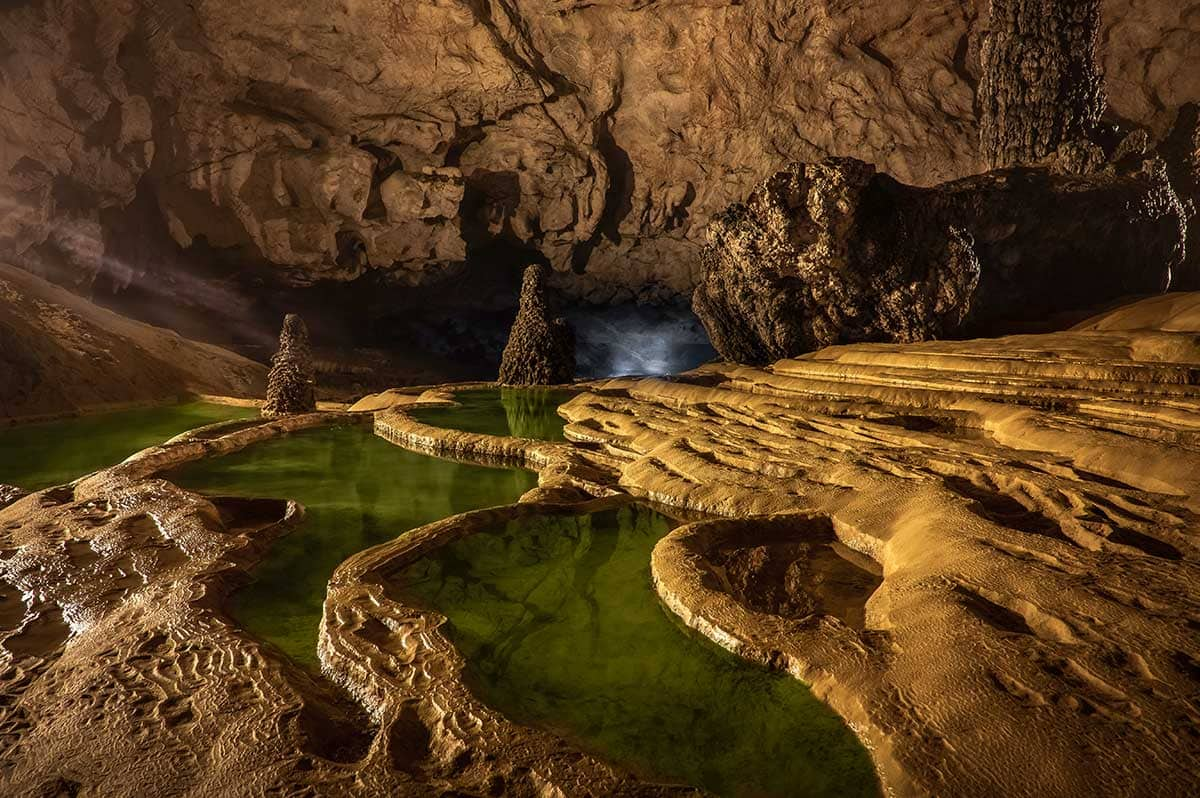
x=1041 y=83
x=541 y=349
x=835 y=252
x=329 y=139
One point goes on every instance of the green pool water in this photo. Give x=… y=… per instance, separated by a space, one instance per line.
x=519 y=412
x=358 y=491
x=562 y=629
x=36 y=456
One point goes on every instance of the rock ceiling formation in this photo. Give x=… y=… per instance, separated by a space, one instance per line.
x=326 y=139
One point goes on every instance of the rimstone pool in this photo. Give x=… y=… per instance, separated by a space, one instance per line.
x=357 y=491
x=518 y=412
x=561 y=628
x=556 y=615
x=36 y=456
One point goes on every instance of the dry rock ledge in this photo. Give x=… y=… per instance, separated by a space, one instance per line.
x=1030 y=502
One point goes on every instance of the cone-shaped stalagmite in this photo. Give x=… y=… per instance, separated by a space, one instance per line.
x=292 y=381
x=540 y=350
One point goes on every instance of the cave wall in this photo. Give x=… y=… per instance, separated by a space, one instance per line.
x=320 y=140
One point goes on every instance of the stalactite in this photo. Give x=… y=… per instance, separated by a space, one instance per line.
x=1041 y=84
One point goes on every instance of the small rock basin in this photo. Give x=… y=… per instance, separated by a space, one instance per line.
x=357 y=491
x=561 y=629
x=516 y=412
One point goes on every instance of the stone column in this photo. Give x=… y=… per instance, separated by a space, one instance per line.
x=1041 y=84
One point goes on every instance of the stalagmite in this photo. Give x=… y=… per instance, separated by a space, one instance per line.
x=541 y=349
x=292 y=381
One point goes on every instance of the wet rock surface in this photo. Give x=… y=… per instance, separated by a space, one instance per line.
x=796 y=568
x=834 y=252
x=9 y=494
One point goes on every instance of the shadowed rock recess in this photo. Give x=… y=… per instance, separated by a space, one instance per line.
x=541 y=349
x=835 y=252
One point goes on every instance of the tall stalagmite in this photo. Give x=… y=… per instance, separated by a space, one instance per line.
x=1041 y=86
x=540 y=350
x=292 y=381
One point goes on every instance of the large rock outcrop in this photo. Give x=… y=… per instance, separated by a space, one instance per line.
x=326 y=140
x=835 y=252
x=541 y=349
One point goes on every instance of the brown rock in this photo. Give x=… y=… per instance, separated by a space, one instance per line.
x=9 y=494
x=1041 y=84
x=291 y=384
x=541 y=349
x=834 y=252
x=60 y=353
x=602 y=135
x=1181 y=151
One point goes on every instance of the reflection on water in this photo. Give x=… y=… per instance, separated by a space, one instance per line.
x=519 y=412
x=561 y=628
x=358 y=491
x=36 y=456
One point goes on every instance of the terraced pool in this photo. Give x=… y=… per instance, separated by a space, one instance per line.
x=357 y=491
x=519 y=412
x=36 y=456
x=556 y=616
x=562 y=629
